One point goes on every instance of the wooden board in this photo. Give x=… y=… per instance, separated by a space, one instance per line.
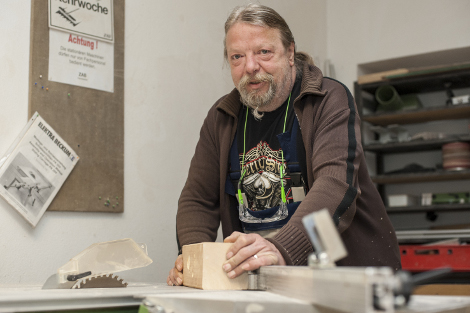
x=89 y=120
x=202 y=267
x=375 y=77
x=443 y=290
x=428 y=70
x=409 y=72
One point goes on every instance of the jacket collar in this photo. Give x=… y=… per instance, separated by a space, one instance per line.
x=312 y=78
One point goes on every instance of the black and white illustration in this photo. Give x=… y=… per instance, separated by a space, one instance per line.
x=34 y=168
x=90 y=18
x=26 y=184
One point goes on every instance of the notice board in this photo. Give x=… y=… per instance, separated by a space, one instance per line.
x=89 y=120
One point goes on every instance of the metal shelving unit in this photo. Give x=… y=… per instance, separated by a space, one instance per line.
x=430 y=208
x=440 y=175
x=420 y=115
x=415 y=145
x=416 y=84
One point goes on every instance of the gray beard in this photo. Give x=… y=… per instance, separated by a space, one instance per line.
x=258 y=116
x=254 y=100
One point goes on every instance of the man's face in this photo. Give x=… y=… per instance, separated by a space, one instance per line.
x=261 y=67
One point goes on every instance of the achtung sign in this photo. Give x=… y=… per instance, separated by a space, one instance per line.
x=89 y=18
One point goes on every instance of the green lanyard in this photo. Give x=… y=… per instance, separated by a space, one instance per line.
x=281 y=169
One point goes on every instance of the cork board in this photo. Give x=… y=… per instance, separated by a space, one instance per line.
x=90 y=121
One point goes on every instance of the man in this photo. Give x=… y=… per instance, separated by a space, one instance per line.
x=284 y=143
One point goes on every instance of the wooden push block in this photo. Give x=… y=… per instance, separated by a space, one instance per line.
x=202 y=267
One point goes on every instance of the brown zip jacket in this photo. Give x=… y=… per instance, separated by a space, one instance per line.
x=337 y=178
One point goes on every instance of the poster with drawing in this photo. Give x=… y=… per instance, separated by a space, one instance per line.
x=81 y=43
x=90 y=18
x=34 y=169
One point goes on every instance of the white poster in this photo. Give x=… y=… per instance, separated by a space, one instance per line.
x=34 y=168
x=90 y=18
x=81 y=61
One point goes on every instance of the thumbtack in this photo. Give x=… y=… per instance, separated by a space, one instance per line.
x=99 y=198
x=42 y=87
x=68 y=94
x=40 y=76
x=35 y=84
x=47 y=89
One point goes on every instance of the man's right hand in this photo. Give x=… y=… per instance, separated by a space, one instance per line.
x=175 y=277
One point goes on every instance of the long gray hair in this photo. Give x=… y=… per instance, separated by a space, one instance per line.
x=260 y=15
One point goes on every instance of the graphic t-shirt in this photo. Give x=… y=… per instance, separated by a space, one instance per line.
x=263 y=155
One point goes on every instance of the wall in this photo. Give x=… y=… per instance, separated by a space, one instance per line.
x=367 y=31
x=174 y=71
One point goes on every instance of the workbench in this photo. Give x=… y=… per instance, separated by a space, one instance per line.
x=162 y=298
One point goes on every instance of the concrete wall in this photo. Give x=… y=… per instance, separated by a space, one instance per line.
x=174 y=71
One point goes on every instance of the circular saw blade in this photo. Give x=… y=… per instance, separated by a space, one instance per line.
x=100 y=281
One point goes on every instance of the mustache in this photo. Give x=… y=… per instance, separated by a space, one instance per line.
x=257 y=78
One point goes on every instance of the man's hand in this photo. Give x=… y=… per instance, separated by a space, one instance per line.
x=250 y=252
x=175 y=278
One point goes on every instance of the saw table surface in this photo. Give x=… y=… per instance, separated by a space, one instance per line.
x=185 y=299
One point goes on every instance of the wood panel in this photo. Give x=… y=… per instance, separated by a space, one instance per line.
x=202 y=267
x=90 y=121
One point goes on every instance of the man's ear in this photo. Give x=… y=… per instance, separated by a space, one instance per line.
x=291 y=53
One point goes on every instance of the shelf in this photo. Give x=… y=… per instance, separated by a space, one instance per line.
x=424 y=83
x=409 y=236
x=427 y=208
x=440 y=175
x=415 y=145
x=420 y=116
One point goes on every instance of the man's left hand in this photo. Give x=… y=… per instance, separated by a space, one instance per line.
x=249 y=252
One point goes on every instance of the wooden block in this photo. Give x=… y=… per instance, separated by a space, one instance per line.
x=202 y=267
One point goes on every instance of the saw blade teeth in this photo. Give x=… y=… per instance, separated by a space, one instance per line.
x=100 y=281
x=76 y=285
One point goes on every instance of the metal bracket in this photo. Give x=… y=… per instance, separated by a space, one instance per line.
x=256 y=281
x=325 y=239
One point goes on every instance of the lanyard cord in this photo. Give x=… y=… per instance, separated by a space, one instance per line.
x=281 y=169
x=240 y=196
